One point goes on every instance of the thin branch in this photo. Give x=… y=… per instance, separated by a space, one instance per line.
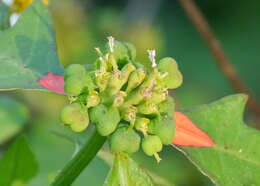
x=222 y=60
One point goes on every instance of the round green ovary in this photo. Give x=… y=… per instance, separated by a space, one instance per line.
x=106 y=119
x=67 y=114
x=75 y=116
x=97 y=112
x=169 y=67
x=81 y=122
x=151 y=145
x=74 y=69
x=73 y=85
x=124 y=139
x=163 y=128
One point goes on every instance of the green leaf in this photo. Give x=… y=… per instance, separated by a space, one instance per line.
x=125 y=171
x=13 y=117
x=28 y=50
x=18 y=164
x=235 y=159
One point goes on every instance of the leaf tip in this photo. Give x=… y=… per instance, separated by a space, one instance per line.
x=188 y=134
x=52 y=82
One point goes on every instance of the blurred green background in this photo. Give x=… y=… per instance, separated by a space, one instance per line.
x=82 y=25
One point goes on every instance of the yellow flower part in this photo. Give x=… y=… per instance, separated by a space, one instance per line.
x=19 y=5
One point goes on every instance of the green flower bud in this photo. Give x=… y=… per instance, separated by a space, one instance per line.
x=74 y=85
x=135 y=79
x=124 y=139
x=141 y=124
x=119 y=99
x=102 y=79
x=75 y=116
x=173 y=77
x=141 y=93
x=106 y=119
x=74 y=69
x=119 y=78
x=147 y=108
x=93 y=99
x=151 y=145
x=101 y=63
x=164 y=128
x=147 y=86
x=129 y=114
x=158 y=96
x=112 y=62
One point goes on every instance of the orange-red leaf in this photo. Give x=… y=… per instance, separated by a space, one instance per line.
x=188 y=134
x=53 y=82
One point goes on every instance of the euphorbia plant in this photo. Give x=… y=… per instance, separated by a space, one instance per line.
x=129 y=106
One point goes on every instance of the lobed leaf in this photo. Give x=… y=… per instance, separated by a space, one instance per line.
x=235 y=158
x=18 y=164
x=28 y=50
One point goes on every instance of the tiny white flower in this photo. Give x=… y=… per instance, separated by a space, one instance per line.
x=14 y=18
x=8 y=2
x=152 y=57
x=111 y=43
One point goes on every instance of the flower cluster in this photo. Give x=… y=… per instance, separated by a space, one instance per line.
x=125 y=101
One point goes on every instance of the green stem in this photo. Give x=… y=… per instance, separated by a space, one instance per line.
x=77 y=164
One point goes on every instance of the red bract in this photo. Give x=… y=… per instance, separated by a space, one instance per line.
x=188 y=134
x=53 y=82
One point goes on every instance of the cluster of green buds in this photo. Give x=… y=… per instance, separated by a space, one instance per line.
x=125 y=101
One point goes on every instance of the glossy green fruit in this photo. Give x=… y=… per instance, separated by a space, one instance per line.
x=124 y=139
x=96 y=112
x=75 y=116
x=73 y=85
x=151 y=145
x=106 y=119
x=173 y=79
x=163 y=128
x=67 y=114
x=74 y=69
